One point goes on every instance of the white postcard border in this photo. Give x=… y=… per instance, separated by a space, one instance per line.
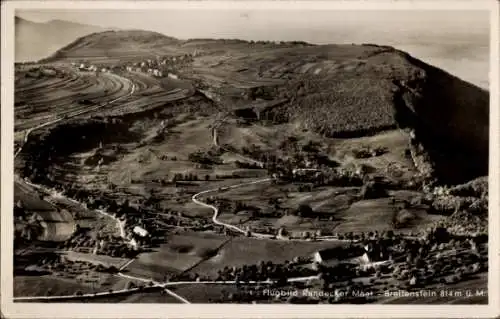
x=82 y=310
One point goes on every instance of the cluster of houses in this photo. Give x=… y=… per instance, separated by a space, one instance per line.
x=138 y=237
x=155 y=72
x=370 y=255
x=151 y=68
x=158 y=67
x=155 y=67
x=135 y=239
x=89 y=67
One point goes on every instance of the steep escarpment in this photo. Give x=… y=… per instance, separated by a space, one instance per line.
x=352 y=91
x=451 y=121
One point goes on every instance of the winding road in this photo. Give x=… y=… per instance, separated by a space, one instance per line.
x=120 y=225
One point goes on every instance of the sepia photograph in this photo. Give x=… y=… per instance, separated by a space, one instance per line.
x=223 y=153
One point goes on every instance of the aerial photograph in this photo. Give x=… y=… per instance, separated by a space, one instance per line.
x=251 y=156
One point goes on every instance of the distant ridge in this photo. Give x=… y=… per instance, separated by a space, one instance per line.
x=116 y=43
x=34 y=40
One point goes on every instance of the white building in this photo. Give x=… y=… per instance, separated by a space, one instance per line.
x=133 y=243
x=331 y=257
x=173 y=76
x=140 y=231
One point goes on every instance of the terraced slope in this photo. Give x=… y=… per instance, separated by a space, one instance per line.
x=42 y=95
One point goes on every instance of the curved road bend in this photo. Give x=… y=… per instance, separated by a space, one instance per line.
x=120 y=223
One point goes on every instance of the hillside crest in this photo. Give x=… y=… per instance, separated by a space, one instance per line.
x=336 y=90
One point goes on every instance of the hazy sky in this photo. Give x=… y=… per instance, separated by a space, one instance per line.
x=457 y=41
x=314 y=26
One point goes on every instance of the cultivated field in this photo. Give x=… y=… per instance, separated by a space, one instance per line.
x=181 y=253
x=247 y=251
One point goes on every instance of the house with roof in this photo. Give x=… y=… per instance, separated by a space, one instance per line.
x=369 y=255
x=140 y=231
x=331 y=257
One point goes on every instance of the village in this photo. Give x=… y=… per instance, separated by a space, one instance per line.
x=159 y=67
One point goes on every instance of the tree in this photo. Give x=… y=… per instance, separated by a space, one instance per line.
x=441 y=235
x=130 y=285
x=390 y=234
x=305 y=210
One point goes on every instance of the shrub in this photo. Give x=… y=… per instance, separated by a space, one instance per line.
x=372 y=190
x=403 y=218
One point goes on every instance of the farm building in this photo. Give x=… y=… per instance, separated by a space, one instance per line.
x=375 y=253
x=367 y=256
x=331 y=257
x=140 y=231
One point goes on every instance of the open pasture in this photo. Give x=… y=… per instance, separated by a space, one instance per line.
x=179 y=254
x=247 y=251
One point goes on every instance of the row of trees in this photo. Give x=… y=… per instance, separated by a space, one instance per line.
x=263 y=271
x=208 y=158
